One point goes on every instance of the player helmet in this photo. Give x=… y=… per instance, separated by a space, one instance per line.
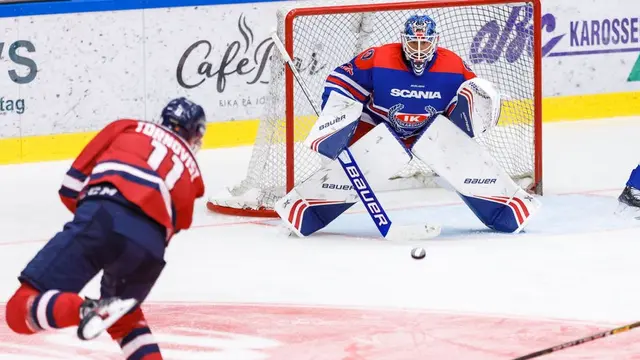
x=186 y=119
x=419 y=41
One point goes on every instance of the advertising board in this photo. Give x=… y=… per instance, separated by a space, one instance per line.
x=64 y=76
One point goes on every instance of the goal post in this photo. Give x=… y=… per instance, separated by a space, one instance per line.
x=499 y=39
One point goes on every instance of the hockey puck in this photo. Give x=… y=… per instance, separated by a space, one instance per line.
x=418 y=253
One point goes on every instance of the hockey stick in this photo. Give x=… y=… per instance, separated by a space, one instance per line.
x=366 y=194
x=579 y=341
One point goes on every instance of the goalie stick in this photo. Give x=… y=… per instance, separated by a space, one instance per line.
x=579 y=341
x=386 y=228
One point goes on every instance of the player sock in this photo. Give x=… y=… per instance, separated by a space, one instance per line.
x=30 y=311
x=135 y=338
x=139 y=344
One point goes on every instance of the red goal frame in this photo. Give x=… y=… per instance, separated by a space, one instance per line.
x=341 y=9
x=536 y=186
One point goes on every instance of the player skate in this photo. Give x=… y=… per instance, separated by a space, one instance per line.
x=629 y=203
x=390 y=104
x=98 y=315
x=629 y=199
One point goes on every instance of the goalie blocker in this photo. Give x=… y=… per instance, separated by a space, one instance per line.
x=320 y=199
x=446 y=146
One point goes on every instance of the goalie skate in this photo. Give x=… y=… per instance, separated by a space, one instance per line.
x=98 y=315
x=629 y=203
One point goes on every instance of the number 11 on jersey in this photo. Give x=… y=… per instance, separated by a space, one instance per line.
x=158 y=154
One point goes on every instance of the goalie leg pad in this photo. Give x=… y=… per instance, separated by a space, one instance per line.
x=320 y=199
x=306 y=216
x=487 y=189
x=501 y=213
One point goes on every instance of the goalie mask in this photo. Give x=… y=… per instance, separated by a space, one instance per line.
x=419 y=41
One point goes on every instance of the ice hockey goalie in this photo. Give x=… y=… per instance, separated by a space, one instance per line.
x=395 y=102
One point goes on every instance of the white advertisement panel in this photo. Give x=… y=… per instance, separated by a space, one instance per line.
x=590 y=46
x=76 y=72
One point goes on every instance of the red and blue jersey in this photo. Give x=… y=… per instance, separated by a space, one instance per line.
x=151 y=166
x=383 y=81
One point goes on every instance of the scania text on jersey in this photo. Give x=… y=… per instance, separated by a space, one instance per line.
x=178 y=147
x=416 y=94
x=366 y=195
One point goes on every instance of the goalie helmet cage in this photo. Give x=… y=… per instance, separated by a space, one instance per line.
x=499 y=39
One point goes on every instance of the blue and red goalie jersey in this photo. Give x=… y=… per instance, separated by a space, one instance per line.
x=151 y=166
x=383 y=81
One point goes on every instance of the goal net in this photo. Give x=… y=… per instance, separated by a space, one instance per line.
x=498 y=39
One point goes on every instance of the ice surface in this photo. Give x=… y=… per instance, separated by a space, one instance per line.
x=576 y=261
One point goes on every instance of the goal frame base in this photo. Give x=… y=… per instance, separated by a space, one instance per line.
x=248 y=212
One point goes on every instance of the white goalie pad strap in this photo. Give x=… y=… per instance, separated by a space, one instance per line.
x=379 y=155
x=335 y=126
x=476 y=109
x=474 y=174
